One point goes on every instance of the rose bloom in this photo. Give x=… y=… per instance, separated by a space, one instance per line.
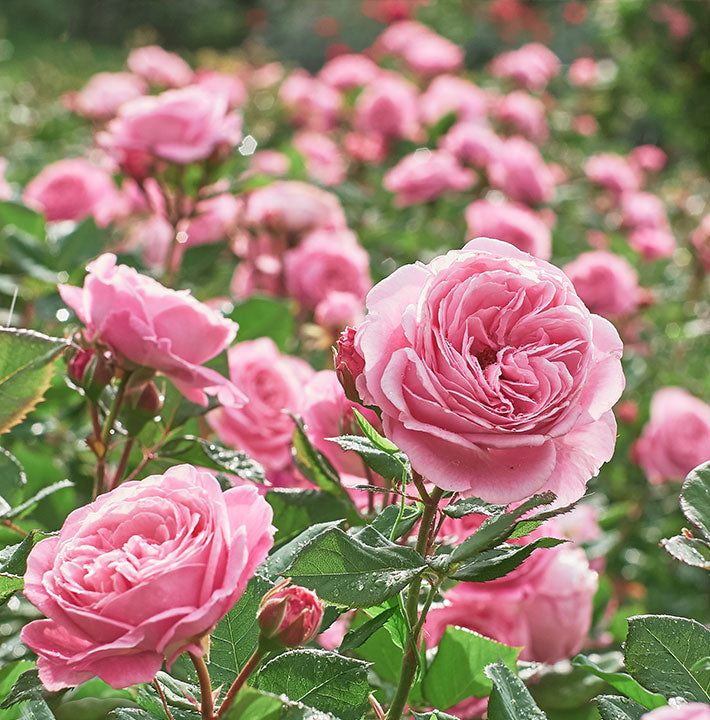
x=310 y=102
x=643 y=209
x=388 y=107
x=366 y=148
x=676 y=438
x=154 y=236
x=606 y=282
x=73 y=189
x=110 y=582
x=520 y=172
x=688 y=711
x=649 y=157
x=228 y=85
x=349 y=71
x=471 y=143
x=269 y=162
x=273 y=383
x=294 y=207
x=512 y=223
x=613 y=172
x=531 y=66
x=653 y=243
x=339 y=309
x=105 y=92
x=450 y=94
x=180 y=126
x=148 y=325
x=700 y=240
x=525 y=113
x=326 y=261
x=426 y=175
x=159 y=67
x=492 y=375
x=583 y=72
x=215 y=219
x=324 y=162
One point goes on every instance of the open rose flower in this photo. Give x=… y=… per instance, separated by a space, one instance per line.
x=688 y=711
x=141 y=575
x=148 y=325
x=159 y=67
x=491 y=373
x=105 y=92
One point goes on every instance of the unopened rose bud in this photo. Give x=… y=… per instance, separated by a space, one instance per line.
x=627 y=412
x=89 y=367
x=150 y=399
x=289 y=614
x=349 y=364
x=76 y=367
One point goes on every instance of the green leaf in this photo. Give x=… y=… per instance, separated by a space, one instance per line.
x=383 y=463
x=10 y=673
x=355 y=638
x=613 y=707
x=385 y=520
x=622 y=682
x=312 y=463
x=176 y=695
x=26 y=367
x=74 y=249
x=690 y=551
x=13 y=559
x=458 y=669
x=433 y=715
x=323 y=680
x=345 y=571
x=379 y=441
x=237 y=633
x=9 y=585
x=662 y=653
x=36 y=708
x=695 y=498
x=28 y=221
x=279 y=560
x=253 y=704
x=123 y=713
x=473 y=506
x=29 y=504
x=510 y=699
x=265 y=317
x=27 y=686
x=12 y=481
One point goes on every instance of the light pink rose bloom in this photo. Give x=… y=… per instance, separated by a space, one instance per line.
x=653 y=243
x=450 y=94
x=531 y=66
x=74 y=189
x=214 y=219
x=366 y=148
x=583 y=72
x=676 y=438
x=688 y=711
x=471 y=143
x=491 y=374
x=512 y=223
x=148 y=325
x=388 y=107
x=228 y=85
x=180 y=126
x=5 y=189
x=426 y=175
x=606 y=282
x=396 y=37
x=324 y=162
x=324 y=262
x=700 y=240
x=613 y=172
x=108 y=583
x=643 y=209
x=339 y=309
x=153 y=236
x=273 y=384
x=520 y=172
x=159 y=67
x=348 y=71
x=310 y=102
x=270 y=162
x=525 y=113
x=649 y=157
x=294 y=207
x=105 y=92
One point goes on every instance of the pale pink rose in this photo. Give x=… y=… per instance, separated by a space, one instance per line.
x=520 y=172
x=531 y=66
x=266 y=75
x=649 y=157
x=180 y=126
x=74 y=189
x=512 y=223
x=388 y=107
x=153 y=236
x=5 y=189
x=394 y=39
x=471 y=143
x=159 y=67
x=676 y=438
x=525 y=113
x=339 y=309
x=148 y=325
x=426 y=175
x=214 y=219
x=700 y=240
x=613 y=172
x=348 y=71
x=491 y=374
x=273 y=384
x=229 y=85
x=583 y=72
x=310 y=102
x=261 y=269
x=270 y=162
x=295 y=207
x=324 y=162
x=606 y=282
x=688 y=711
x=653 y=243
x=332 y=636
x=366 y=148
x=324 y=262
x=643 y=209
x=108 y=583
x=105 y=92
x=580 y=525
x=450 y=94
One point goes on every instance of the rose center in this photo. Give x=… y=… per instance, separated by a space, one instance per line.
x=486 y=357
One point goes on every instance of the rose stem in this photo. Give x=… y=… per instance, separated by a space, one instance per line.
x=122 y=463
x=11 y=525
x=206 y=703
x=410 y=659
x=245 y=672
x=162 y=697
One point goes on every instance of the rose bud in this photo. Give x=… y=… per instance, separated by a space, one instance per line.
x=150 y=400
x=76 y=367
x=289 y=614
x=87 y=367
x=348 y=363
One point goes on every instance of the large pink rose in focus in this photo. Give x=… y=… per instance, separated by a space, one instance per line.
x=108 y=583
x=146 y=324
x=689 y=711
x=491 y=373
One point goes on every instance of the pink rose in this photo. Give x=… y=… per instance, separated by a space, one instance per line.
x=678 y=22
x=643 y=209
x=687 y=711
x=366 y=148
x=215 y=219
x=311 y=102
x=388 y=107
x=153 y=236
x=148 y=325
x=159 y=67
x=613 y=172
x=273 y=383
x=583 y=72
x=228 y=85
x=653 y=243
x=426 y=175
x=606 y=282
x=676 y=438
x=585 y=124
x=531 y=66
x=348 y=71
x=105 y=92
x=73 y=189
x=289 y=614
x=649 y=157
x=520 y=172
x=471 y=143
x=180 y=126
x=324 y=162
x=349 y=363
x=108 y=582
x=269 y=162
x=339 y=309
x=327 y=261
x=451 y=94
x=525 y=113
x=491 y=374
x=512 y=223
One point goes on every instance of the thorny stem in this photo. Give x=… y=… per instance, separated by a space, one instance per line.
x=244 y=673
x=206 y=702
x=162 y=697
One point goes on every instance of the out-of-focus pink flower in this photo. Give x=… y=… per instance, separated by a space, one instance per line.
x=520 y=172
x=585 y=124
x=366 y=147
x=265 y=76
x=332 y=636
x=525 y=113
x=676 y=438
x=214 y=219
x=324 y=162
x=597 y=239
x=531 y=66
x=700 y=240
x=643 y=209
x=348 y=71
x=653 y=243
x=311 y=102
x=613 y=172
x=583 y=72
x=426 y=175
x=451 y=94
x=269 y=162
x=160 y=67
x=105 y=92
x=227 y=85
x=649 y=157
x=471 y=143
x=153 y=236
x=5 y=189
x=339 y=309
x=606 y=282
x=289 y=614
x=678 y=22
x=388 y=107
x=512 y=223
x=389 y=11
x=627 y=411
